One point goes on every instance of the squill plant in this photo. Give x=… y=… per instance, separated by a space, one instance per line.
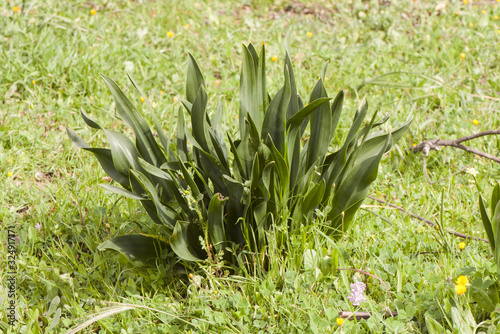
x=215 y=196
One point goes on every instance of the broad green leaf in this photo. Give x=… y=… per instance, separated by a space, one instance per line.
x=340 y=158
x=55 y=321
x=274 y=121
x=53 y=305
x=372 y=142
x=262 y=97
x=145 y=141
x=320 y=127
x=182 y=150
x=336 y=110
x=255 y=176
x=433 y=327
x=198 y=121
x=245 y=153
x=248 y=90
x=495 y=222
x=482 y=299
x=219 y=147
x=216 y=222
x=459 y=322
x=136 y=247
x=351 y=192
x=159 y=131
x=495 y=198
x=123 y=151
x=293 y=105
x=313 y=197
x=121 y=192
x=213 y=170
x=487 y=224
x=104 y=157
x=299 y=117
x=281 y=167
x=253 y=94
x=89 y=122
x=185 y=242
x=166 y=215
x=238 y=164
x=194 y=79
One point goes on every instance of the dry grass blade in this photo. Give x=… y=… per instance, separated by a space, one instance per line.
x=105 y=313
x=118 y=308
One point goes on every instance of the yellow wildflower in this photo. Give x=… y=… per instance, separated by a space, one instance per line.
x=93 y=12
x=190 y=276
x=471 y=25
x=457 y=13
x=16 y=9
x=187 y=26
x=108 y=226
x=465 y=2
x=274 y=58
x=475 y=122
x=462 y=280
x=170 y=34
x=309 y=34
x=496 y=17
x=33 y=82
x=340 y=321
x=462 y=55
x=142 y=99
x=161 y=92
x=414 y=144
x=483 y=11
x=460 y=289
x=175 y=99
x=461 y=245
x=9 y=174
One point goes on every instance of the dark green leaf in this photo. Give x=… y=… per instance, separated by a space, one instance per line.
x=274 y=121
x=146 y=143
x=194 y=79
x=89 y=122
x=313 y=197
x=123 y=151
x=136 y=247
x=121 y=191
x=216 y=222
x=320 y=127
x=185 y=242
x=487 y=224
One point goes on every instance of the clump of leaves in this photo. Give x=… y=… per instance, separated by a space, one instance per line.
x=219 y=197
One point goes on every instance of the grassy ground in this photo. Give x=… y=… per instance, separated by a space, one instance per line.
x=445 y=71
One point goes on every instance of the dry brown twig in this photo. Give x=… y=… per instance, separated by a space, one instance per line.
x=437 y=144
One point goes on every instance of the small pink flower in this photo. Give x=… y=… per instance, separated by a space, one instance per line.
x=357 y=296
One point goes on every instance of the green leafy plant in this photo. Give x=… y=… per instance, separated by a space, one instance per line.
x=485 y=291
x=491 y=223
x=216 y=197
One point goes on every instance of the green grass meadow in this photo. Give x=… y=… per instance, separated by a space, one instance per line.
x=437 y=61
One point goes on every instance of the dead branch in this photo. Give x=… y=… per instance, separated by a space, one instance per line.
x=363 y=315
x=428 y=222
x=436 y=144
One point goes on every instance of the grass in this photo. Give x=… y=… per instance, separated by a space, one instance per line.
x=51 y=55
